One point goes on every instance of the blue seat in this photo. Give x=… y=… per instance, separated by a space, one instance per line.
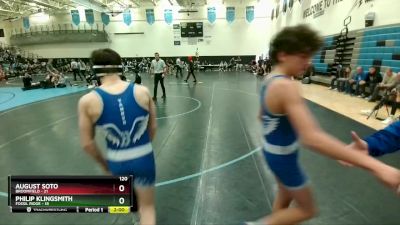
x=391 y=63
x=387 y=50
x=386 y=56
x=391 y=30
x=395 y=63
x=371 y=44
x=395 y=50
x=396 y=69
x=361 y=56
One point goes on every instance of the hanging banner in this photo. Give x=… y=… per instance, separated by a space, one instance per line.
x=211 y=14
x=127 y=17
x=89 y=16
x=26 y=23
x=249 y=13
x=272 y=14
x=277 y=11
x=75 y=17
x=284 y=6
x=290 y=3
x=168 y=16
x=105 y=18
x=230 y=14
x=150 y=16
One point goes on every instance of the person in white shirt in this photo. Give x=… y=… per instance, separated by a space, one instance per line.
x=159 y=69
x=75 y=69
x=178 y=67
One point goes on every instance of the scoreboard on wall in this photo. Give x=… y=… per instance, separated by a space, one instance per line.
x=193 y=29
x=71 y=194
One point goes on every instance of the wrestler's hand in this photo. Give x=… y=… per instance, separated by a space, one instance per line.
x=358 y=144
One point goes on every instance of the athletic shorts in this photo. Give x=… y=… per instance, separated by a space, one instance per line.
x=143 y=169
x=287 y=169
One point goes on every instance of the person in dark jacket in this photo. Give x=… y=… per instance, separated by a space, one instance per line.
x=191 y=70
x=372 y=80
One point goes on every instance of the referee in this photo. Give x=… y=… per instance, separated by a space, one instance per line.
x=159 y=69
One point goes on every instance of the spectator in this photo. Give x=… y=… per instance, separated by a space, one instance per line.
x=357 y=77
x=27 y=81
x=387 y=83
x=3 y=76
x=395 y=100
x=61 y=81
x=372 y=79
x=336 y=76
x=239 y=65
x=178 y=67
x=345 y=76
x=221 y=66
x=75 y=69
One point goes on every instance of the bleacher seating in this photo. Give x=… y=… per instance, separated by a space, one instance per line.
x=375 y=46
x=322 y=59
x=380 y=47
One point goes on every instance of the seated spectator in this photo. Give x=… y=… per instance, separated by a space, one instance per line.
x=27 y=81
x=341 y=81
x=357 y=77
x=221 y=66
x=239 y=65
x=395 y=100
x=61 y=81
x=336 y=76
x=48 y=82
x=3 y=76
x=372 y=79
x=387 y=83
x=392 y=97
x=225 y=66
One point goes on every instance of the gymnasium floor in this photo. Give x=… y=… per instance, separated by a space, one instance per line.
x=208 y=136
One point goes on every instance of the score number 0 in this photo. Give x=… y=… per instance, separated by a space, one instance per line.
x=121 y=188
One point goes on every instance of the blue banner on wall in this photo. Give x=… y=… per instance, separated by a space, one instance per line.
x=272 y=14
x=284 y=6
x=26 y=23
x=89 y=16
x=249 y=13
x=150 y=16
x=230 y=14
x=105 y=18
x=168 y=16
x=127 y=17
x=75 y=17
x=277 y=11
x=211 y=14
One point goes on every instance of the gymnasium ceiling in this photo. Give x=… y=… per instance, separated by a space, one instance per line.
x=13 y=9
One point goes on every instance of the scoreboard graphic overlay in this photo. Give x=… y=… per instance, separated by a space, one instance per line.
x=71 y=194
